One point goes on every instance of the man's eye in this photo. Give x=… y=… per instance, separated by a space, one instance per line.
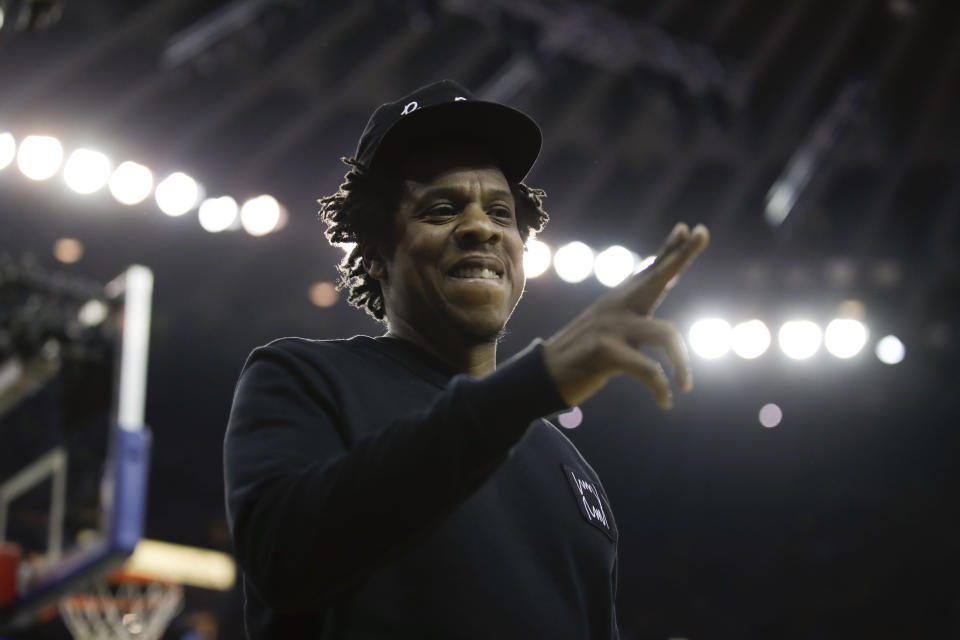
x=440 y=210
x=502 y=212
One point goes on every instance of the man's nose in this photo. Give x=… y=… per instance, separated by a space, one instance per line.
x=477 y=228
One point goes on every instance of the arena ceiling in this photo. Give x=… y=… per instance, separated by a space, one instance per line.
x=836 y=119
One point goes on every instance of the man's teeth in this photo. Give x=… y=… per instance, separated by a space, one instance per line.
x=475 y=272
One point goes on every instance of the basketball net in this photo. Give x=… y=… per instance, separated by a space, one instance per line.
x=121 y=606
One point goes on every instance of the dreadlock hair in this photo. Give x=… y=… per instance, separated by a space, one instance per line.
x=362 y=212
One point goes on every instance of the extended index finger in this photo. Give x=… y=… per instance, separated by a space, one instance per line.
x=677 y=236
x=675 y=262
x=651 y=285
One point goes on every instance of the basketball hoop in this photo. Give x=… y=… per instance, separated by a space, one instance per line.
x=121 y=606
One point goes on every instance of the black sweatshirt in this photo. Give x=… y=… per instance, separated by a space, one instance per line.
x=372 y=493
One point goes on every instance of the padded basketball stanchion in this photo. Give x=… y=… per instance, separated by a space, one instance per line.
x=10 y=556
x=131 y=470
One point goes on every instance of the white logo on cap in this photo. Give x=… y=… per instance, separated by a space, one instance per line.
x=459 y=98
x=411 y=106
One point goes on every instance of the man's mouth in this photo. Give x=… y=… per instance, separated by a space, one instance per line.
x=478 y=267
x=475 y=273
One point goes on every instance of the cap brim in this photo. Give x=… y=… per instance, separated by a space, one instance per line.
x=510 y=134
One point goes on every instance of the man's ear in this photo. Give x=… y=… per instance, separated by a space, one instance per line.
x=373 y=262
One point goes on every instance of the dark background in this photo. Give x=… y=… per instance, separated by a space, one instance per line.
x=842 y=522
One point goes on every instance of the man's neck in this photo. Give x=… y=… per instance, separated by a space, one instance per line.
x=474 y=358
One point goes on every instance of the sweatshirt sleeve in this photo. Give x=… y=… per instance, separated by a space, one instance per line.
x=312 y=518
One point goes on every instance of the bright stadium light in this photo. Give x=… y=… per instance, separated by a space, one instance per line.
x=750 y=339
x=710 y=337
x=323 y=294
x=613 y=265
x=845 y=337
x=176 y=194
x=799 y=339
x=131 y=183
x=86 y=171
x=536 y=258
x=218 y=214
x=93 y=312
x=8 y=149
x=770 y=415
x=573 y=262
x=260 y=215
x=68 y=250
x=890 y=350
x=39 y=157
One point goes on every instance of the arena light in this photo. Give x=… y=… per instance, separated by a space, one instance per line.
x=573 y=262
x=710 y=337
x=323 y=294
x=750 y=339
x=131 y=183
x=613 y=265
x=845 y=337
x=86 y=171
x=770 y=415
x=218 y=214
x=39 y=157
x=536 y=258
x=8 y=149
x=890 y=350
x=68 y=250
x=780 y=200
x=260 y=215
x=93 y=312
x=176 y=194
x=799 y=339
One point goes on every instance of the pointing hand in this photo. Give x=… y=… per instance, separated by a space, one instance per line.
x=607 y=337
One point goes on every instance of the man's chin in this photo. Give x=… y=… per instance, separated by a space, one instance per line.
x=487 y=337
x=482 y=330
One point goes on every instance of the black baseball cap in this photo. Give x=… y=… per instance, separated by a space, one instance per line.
x=447 y=110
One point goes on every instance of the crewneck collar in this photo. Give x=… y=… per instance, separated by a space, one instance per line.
x=416 y=358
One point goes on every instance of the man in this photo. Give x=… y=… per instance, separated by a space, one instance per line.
x=405 y=486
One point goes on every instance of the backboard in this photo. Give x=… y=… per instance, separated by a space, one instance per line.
x=73 y=363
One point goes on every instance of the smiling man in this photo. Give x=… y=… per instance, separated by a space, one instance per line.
x=406 y=486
